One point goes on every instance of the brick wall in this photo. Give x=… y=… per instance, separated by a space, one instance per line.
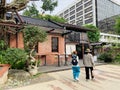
x=16 y=40
x=45 y=49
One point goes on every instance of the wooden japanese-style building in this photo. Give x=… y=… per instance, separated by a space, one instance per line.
x=54 y=51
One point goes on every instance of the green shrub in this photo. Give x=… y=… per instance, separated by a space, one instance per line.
x=2 y=59
x=117 y=59
x=15 y=57
x=106 y=57
x=3 y=45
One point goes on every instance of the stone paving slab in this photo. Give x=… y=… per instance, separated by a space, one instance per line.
x=106 y=78
x=47 y=69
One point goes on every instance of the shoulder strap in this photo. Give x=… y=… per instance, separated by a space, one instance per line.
x=74 y=56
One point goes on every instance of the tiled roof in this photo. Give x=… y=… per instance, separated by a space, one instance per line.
x=40 y=22
x=72 y=27
x=52 y=24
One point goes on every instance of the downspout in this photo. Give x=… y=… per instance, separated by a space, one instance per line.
x=82 y=45
x=65 y=49
x=16 y=40
x=96 y=13
x=64 y=34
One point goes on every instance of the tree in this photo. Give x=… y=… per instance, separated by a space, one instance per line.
x=33 y=35
x=117 y=25
x=95 y=35
x=49 y=5
x=54 y=18
x=58 y=19
x=31 y=11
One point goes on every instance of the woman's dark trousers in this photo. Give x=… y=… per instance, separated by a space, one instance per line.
x=88 y=71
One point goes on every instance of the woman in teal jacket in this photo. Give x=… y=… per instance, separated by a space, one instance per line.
x=75 y=66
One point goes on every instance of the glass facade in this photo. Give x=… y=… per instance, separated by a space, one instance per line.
x=107 y=9
x=87 y=10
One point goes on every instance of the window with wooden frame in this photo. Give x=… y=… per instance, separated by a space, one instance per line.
x=36 y=48
x=55 y=44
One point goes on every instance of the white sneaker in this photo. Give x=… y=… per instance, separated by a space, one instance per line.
x=77 y=79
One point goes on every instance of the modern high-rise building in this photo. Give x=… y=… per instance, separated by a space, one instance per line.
x=83 y=12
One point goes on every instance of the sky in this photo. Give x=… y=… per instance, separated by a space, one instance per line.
x=61 y=5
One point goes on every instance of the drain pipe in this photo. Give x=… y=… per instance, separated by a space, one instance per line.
x=65 y=49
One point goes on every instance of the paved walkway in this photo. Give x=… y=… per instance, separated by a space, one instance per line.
x=107 y=77
x=46 y=69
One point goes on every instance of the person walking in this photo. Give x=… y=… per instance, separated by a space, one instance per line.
x=89 y=64
x=75 y=66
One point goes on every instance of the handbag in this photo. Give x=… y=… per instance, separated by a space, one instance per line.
x=95 y=72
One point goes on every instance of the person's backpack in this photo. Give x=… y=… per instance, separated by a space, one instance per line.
x=74 y=60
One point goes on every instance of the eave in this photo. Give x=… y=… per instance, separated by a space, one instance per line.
x=72 y=27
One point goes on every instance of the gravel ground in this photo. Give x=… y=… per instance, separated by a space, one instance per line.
x=19 y=81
